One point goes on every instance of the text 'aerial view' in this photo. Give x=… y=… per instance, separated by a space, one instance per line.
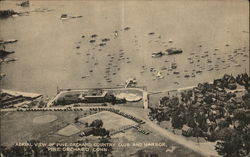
x=116 y=78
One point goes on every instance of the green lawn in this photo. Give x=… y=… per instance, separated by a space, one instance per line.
x=19 y=127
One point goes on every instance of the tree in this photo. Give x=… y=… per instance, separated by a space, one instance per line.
x=208 y=99
x=191 y=122
x=223 y=124
x=246 y=141
x=231 y=147
x=17 y=151
x=96 y=123
x=197 y=132
x=25 y=151
x=164 y=101
x=87 y=153
x=177 y=121
x=233 y=143
x=76 y=153
x=106 y=141
x=45 y=152
x=246 y=100
x=86 y=124
x=4 y=151
x=110 y=98
x=242 y=117
x=100 y=132
x=201 y=120
x=76 y=119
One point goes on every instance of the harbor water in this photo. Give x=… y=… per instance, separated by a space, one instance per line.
x=53 y=53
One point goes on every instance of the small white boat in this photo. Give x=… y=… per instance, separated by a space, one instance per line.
x=161 y=77
x=158 y=74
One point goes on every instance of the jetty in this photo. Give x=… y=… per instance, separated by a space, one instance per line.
x=8 y=41
x=13 y=98
x=4 y=53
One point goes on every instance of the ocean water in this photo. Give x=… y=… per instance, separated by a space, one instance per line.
x=48 y=57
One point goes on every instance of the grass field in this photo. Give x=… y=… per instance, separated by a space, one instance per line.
x=19 y=127
x=69 y=130
x=43 y=125
x=44 y=119
x=111 y=121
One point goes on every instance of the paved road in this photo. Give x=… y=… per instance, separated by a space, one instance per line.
x=205 y=149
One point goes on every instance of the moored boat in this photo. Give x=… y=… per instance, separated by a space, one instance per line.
x=172 y=51
x=157 y=54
